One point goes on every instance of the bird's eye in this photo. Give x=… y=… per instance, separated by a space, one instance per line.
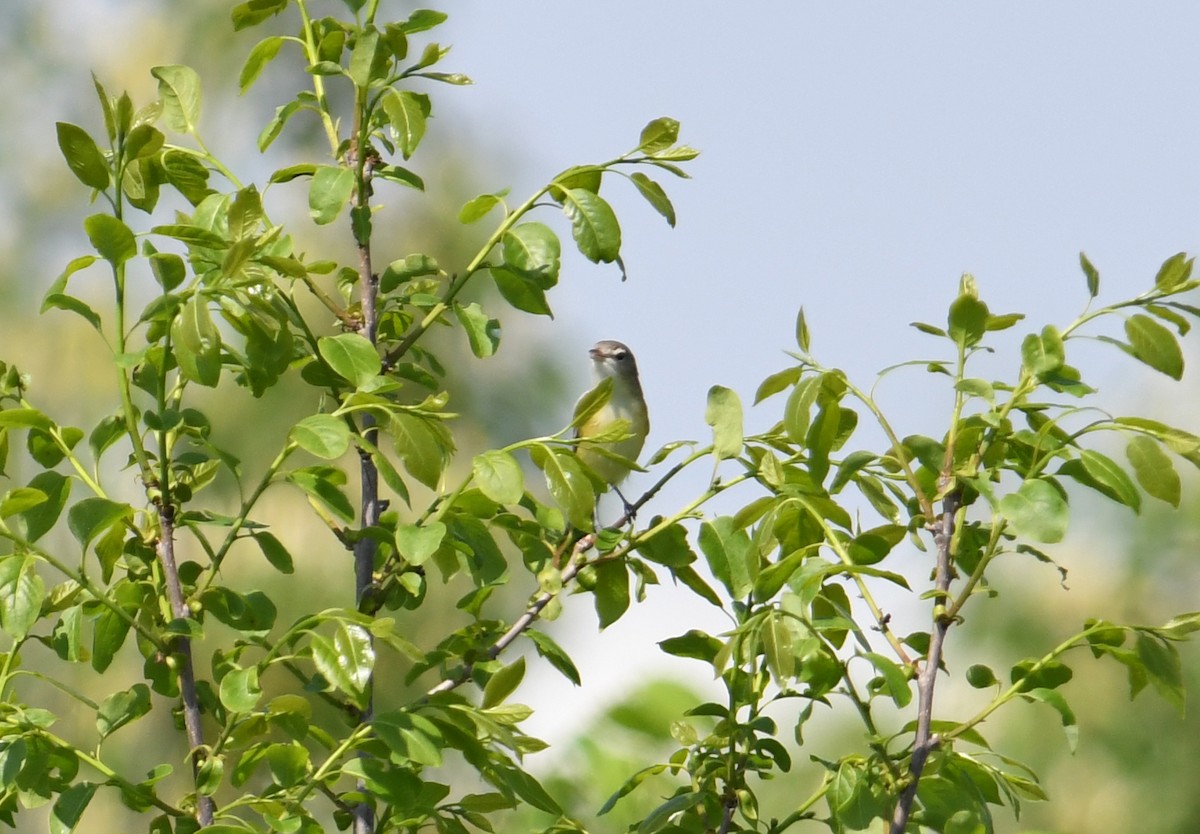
x=621 y=354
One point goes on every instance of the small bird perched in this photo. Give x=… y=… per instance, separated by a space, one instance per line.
x=613 y=360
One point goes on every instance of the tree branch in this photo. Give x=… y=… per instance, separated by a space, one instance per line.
x=925 y=742
x=364 y=159
x=183 y=647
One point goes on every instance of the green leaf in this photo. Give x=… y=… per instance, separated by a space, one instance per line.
x=724 y=414
x=262 y=54
x=323 y=483
x=1177 y=440
x=1045 y=674
x=483 y=333
x=192 y=235
x=179 y=90
x=276 y=553
x=417 y=544
x=347 y=660
x=110 y=630
x=20 y=500
x=416 y=265
x=410 y=738
x=533 y=251
x=351 y=356
x=329 y=192
x=981 y=677
x=1176 y=270
x=658 y=135
x=121 y=707
x=477 y=208
x=1155 y=345
x=69 y=807
x=322 y=435
x=1036 y=510
x=407 y=113
x=168 y=270
x=21 y=594
x=668 y=547
x=797 y=411
x=1093 y=276
x=83 y=157
x=522 y=292
x=503 y=682
x=554 y=655
x=424 y=445
x=655 y=196
x=240 y=690
x=694 y=644
x=571 y=489
x=24 y=418
x=40 y=518
x=730 y=556
x=967 y=320
x=197 y=343
x=587 y=177
x=611 y=591
x=894 y=678
x=498 y=476
x=111 y=238
x=803 y=338
x=252 y=13
x=1106 y=471
x=593 y=225
x=1153 y=469
x=776 y=382
x=661 y=815
x=365 y=56
x=1043 y=354
x=1161 y=662
x=93 y=516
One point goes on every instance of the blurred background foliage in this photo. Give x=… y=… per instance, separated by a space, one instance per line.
x=1135 y=769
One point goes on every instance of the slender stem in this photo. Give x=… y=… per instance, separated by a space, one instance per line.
x=111 y=775
x=68 y=452
x=244 y=514
x=881 y=620
x=81 y=578
x=576 y=562
x=183 y=650
x=924 y=741
x=366 y=547
x=897 y=447
x=310 y=48
x=1014 y=690
x=460 y=280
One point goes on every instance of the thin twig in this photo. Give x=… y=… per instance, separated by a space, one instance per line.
x=731 y=805
x=925 y=742
x=572 y=567
x=183 y=648
x=366 y=547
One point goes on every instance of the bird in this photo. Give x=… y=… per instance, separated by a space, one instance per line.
x=612 y=460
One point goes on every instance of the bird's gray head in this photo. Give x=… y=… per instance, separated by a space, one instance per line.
x=613 y=359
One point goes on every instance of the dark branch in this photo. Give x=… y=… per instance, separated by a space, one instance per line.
x=925 y=742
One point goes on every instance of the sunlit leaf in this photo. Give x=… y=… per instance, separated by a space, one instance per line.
x=1036 y=510
x=724 y=414
x=179 y=90
x=1153 y=469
